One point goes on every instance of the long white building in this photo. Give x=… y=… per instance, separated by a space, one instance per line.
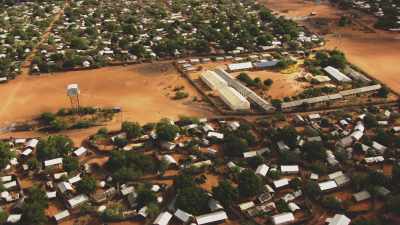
x=336 y=74
x=213 y=80
x=233 y=99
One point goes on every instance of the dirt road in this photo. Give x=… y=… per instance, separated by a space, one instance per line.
x=376 y=53
x=44 y=38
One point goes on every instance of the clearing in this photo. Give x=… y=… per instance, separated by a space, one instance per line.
x=144 y=92
x=375 y=52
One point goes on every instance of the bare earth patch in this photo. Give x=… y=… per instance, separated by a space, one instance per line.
x=374 y=52
x=143 y=91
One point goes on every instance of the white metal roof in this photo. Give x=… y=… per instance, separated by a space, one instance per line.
x=182 y=215
x=339 y=219
x=51 y=194
x=61 y=215
x=213 y=80
x=77 y=200
x=169 y=159
x=249 y=154
x=53 y=162
x=246 y=205
x=281 y=182
x=240 y=66
x=4 y=179
x=290 y=168
x=361 y=196
x=75 y=179
x=163 y=218
x=282 y=218
x=64 y=186
x=80 y=151
x=211 y=217
x=27 y=152
x=336 y=74
x=10 y=184
x=327 y=185
x=233 y=99
x=32 y=143
x=262 y=169
x=14 y=218
x=335 y=174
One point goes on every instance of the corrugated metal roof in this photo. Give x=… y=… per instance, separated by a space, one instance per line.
x=336 y=74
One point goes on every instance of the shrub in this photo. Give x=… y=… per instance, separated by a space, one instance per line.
x=180 y=95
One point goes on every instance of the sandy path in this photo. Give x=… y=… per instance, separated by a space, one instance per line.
x=376 y=53
x=143 y=91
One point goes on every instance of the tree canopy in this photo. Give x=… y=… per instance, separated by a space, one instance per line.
x=87 y=185
x=132 y=129
x=225 y=193
x=249 y=184
x=5 y=154
x=166 y=131
x=53 y=147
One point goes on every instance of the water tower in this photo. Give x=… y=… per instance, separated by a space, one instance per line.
x=73 y=94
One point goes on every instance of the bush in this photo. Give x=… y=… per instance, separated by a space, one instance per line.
x=47 y=117
x=383 y=92
x=180 y=95
x=245 y=78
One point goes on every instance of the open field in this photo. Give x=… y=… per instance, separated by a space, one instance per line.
x=285 y=85
x=144 y=92
x=376 y=53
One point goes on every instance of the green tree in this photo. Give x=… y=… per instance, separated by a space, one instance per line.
x=53 y=147
x=166 y=131
x=146 y=196
x=314 y=151
x=234 y=146
x=311 y=189
x=249 y=184
x=5 y=154
x=132 y=129
x=33 y=210
x=370 y=120
x=47 y=117
x=70 y=164
x=393 y=204
x=3 y=217
x=225 y=193
x=193 y=200
x=87 y=185
x=287 y=134
x=183 y=181
x=331 y=203
x=383 y=92
x=268 y=82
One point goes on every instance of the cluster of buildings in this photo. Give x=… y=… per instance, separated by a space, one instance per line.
x=127 y=31
x=21 y=26
x=377 y=8
x=280 y=202
x=232 y=92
